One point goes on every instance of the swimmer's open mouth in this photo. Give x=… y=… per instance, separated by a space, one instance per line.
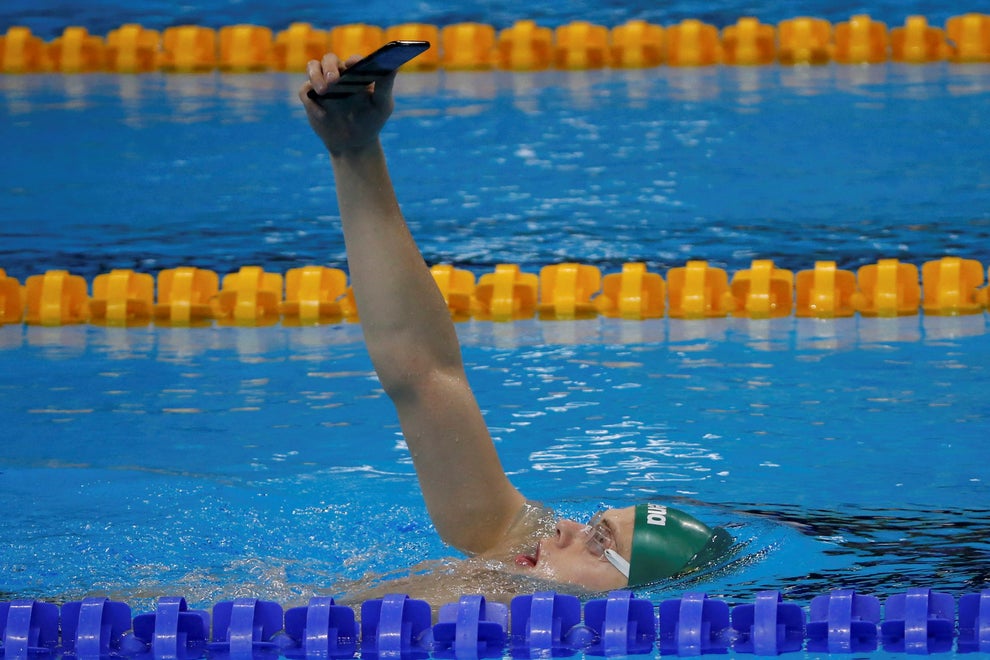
x=529 y=560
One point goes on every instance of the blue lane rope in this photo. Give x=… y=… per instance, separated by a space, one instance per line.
x=545 y=624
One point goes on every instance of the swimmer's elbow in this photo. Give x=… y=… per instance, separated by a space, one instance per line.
x=473 y=540
x=406 y=375
x=480 y=525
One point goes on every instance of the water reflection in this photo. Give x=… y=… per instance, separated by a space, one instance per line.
x=123 y=343
x=251 y=343
x=693 y=83
x=192 y=96
x=969 y=80
x=200 y=96
x=749 y=83
x=420 y=83
x=239 y=95
x=477 y=85
x=697 y=332
x=890 y=330
x=953 y=327
x=862 y=80
x=59 y=342
x=11 y=336
x=884 y=551
x=807 y=80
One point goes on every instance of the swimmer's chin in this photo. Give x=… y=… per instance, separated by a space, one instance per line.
x=534 y=579
x=529 y=570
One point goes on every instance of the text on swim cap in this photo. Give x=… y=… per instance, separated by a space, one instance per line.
x=656 y=514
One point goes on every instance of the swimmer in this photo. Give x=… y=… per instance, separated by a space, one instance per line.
x=412 y=343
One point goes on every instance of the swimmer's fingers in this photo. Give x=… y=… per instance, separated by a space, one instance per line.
x=325 y=72
x=314 y=82
x=322 y=73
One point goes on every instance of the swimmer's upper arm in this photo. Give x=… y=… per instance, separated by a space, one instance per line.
x=470 y=499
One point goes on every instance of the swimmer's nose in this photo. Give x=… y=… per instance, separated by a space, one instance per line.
x=568 y=531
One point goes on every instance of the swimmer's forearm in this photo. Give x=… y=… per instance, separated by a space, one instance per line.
x=402 y=312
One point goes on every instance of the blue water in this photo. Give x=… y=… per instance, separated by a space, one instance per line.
x=663 y=165
x=131 y=446
x=219 y=462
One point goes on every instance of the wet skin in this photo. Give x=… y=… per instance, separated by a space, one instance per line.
x=565 y=557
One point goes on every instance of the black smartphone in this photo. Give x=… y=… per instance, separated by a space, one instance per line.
x=379 y=64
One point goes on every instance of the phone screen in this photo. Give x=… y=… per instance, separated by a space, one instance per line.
x=380 y=63
x=389 y=57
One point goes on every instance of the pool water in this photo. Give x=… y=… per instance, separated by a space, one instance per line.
x=218 y=462
x=237 y=461
x=721 y=163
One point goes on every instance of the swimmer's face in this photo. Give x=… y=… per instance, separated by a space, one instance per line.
x=566 y=557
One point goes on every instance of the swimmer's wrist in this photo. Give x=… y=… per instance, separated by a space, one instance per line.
x=358 y=151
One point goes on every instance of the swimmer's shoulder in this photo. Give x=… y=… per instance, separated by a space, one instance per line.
x=533 y=521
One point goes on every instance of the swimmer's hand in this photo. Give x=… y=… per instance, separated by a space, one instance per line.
x=348 y=124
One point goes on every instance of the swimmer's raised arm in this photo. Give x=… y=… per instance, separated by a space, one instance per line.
x=406 y=324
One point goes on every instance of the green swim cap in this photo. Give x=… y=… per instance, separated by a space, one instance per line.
x=667 y=541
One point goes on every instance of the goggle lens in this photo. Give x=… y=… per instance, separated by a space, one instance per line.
x=601 y=544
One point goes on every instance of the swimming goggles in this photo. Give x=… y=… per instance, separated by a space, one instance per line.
x=601 y=544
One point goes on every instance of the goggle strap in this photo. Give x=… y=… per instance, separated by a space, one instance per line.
x=618 y=561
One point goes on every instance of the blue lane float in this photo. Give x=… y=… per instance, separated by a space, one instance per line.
x=471 y=628
x=245 y=627
x=29 y=627
x=974 y=622
x=95 y=627
x=173 y=630
x=919 y=622
x=621 y=625
x=322 y=629
x=844 y=622
x=694 y=625
x=395 y=626
x=546 y=624
x=768 y=627
x=541 y=625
